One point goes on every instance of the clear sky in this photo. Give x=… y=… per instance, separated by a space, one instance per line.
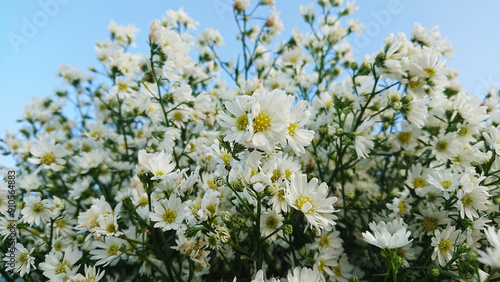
x=37 y=36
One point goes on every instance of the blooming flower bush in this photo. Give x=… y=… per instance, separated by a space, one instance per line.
x=292 y=162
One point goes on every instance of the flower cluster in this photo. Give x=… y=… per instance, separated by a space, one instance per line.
x=296 y=162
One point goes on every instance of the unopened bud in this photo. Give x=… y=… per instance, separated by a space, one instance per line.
x=219 y=181
x=238 y=185
x=462 y=248
x=434 y=272
x=397 y=105
x=288 y=229
x=355 y=279
x=226 y=217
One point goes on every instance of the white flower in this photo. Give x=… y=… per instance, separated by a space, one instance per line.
x=297 y=137
x=444 y=180
x=24 y=260
x=492 y=255
x=390 y=235
x=107 y=252
x=303 y=274
x=238 y=121
x=270 y=221
x=493 y=138
x=444 y=244
x=57 y=267
x=268 y=119
x=48 y=154
x=169 y=213
x=159 y=164
x=36 y=210
x=311 y=200
x=363 y=141
x=444 y=147
x=472 y=199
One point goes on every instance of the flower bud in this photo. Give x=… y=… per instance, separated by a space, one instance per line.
x=219 y=181
x=434 y=272
x=154 y=31
x=462 y=248
x=355 y=279
x=288 y=229
x=238 y=185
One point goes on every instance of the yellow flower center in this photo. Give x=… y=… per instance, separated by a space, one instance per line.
x=467 y=200
x=61 y=267
x=446 y=184
x=431 y=197
x=430 y=71
x=38 y=208
x=337 y=270
x=178 y=116
x=463 y=131
x=324 y=241
x=23 y=258
x=321 y=265
x=212 y=241
x=404 y=137
x=242 y=122
x=95 y=134
x=58 y=246
x=292 y=128
x=111 y=228
x=281 y=195
x=143 y=201
x=93 y=223
x=429 y=224
x=419 y=182
x=211 y=209
x=276 y=175
x=414 y=84
x=262 y=122
x=48 y=158
x=226 y=156
x=112 y=250
x=272 y=222
x=441 y=146
x=288 y=173
x=301 y=202
x=122 y=86
x=403 y=207
x=169 y=216
x=211 y=184
x=444 y=246
x=61 y=223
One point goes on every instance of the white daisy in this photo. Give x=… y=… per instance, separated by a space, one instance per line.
x=492 y=255
x=107 y=252
x=169 y=213
x=303 y=274
x=268 y=118
x=159 y=164
x=444 y=244
x=311 y=200
x=269 y=222
x=36 y=210
x=24 y=260
x=444 y=147
x=58 y=267
x=48 y=154
x=238 y=122
x=390 y=235
x=297 y=137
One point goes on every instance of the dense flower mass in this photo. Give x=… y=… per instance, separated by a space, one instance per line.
x=293 y=162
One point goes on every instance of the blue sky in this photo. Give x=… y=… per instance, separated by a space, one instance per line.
x=37 y=36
